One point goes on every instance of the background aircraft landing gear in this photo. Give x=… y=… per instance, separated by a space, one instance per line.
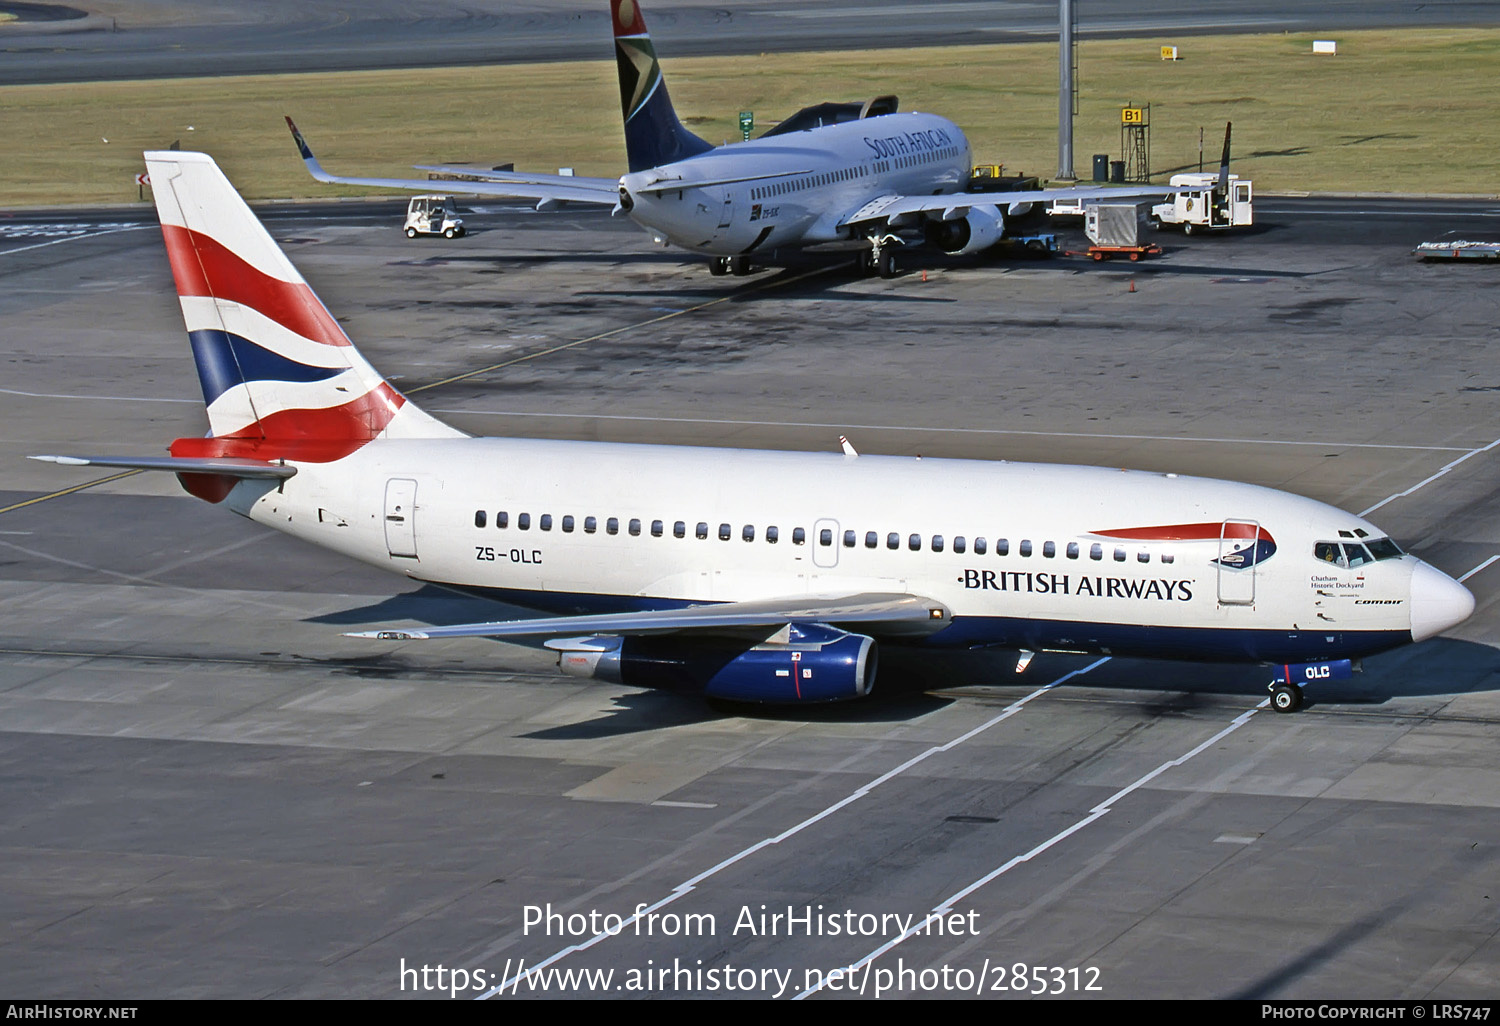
x=1286 y=698
x=718 y=266
x=885 y=262
x=739 y=266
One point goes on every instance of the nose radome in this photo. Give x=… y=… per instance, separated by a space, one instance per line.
x=1438 y=602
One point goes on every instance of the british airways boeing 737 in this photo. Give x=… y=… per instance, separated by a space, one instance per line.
x=756 y=576
x=860 y=176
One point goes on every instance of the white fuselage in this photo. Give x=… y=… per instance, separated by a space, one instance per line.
x=803 y=186
x=1025 y=555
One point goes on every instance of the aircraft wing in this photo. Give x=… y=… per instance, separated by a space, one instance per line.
x=954 y=205
x=544 y=188
x=879 y=613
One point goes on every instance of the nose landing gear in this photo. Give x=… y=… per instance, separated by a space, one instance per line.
x=1286 y=698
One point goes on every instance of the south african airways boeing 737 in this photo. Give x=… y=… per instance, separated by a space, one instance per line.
x=747 y=575
x=857 y=176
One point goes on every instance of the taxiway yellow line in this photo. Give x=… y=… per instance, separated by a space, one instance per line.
x=69 y=491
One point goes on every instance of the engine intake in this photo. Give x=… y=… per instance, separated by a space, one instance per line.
x=977 y=230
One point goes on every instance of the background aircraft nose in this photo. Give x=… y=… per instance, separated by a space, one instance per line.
x=1437 y=602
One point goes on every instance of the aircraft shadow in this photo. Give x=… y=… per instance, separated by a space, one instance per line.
x=913 y=682
x=1442 y=666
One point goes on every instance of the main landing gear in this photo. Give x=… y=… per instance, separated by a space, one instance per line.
x=880 y=258
x=1285 y=698
x=739 y=266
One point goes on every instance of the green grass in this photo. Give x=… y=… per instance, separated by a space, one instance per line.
x=1395 y=111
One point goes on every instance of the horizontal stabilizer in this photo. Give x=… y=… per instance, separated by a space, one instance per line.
x=227 y=466
x=897 y=614
x=506 y=184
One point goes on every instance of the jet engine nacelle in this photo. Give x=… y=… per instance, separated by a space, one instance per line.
x=977 y=230
x=804 y=663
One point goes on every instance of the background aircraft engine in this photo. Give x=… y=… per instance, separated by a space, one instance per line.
x=805 y=663
x=977 y=230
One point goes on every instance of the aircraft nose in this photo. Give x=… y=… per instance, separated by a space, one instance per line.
x=1437 y=602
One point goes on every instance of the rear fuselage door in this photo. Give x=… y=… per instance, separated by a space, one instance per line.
x=401 y=517
x=1238 y=550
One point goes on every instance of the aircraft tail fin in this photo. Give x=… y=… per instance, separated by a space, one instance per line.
x=280 y=378
x=653 y=135
x=1221 y=187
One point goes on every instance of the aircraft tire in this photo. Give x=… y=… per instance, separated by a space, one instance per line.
x=718 y=266
x=1286 y=698
x=886 y=264
x=866 y=263
x=739 y=266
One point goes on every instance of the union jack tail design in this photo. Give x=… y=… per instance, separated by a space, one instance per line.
x=281 y=379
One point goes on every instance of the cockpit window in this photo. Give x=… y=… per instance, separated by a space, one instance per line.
x=1357 y=555
x=1329 y=552
x=1384 y=548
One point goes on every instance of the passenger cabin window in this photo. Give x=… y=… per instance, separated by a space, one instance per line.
x=1143 y=556
x=1096 y=551
x=960 y=545
x=799 y=536
x=612 y=525
x=725 y=532
x=914 y=543
x=679 y=530
x=568 y=524
x=524 y=521
x=979 y=546
x=872 y=540
x=825 y=537
x=702 y=530
x=1048 y=550
x=656 y=528
x=937 y=543
x=635 y=528
x=480 y=519
x=1002 y=547
x=502 y=520
x=1119 y=555
x=546 y=521
x=773 y=535
x=1072 y=550
x=893 y=540
x=1167 y=557
x=590 y=525
x=1025 y=547
x=747 y=533
x=850 y=539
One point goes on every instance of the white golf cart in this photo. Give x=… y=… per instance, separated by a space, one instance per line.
x=433 y=215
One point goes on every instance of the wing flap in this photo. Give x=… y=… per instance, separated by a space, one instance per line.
x=883 y=613
x=956 y=204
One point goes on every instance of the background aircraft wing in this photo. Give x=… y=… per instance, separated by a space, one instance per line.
x=478 y=181
x=953 y=205
x=889 y=614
